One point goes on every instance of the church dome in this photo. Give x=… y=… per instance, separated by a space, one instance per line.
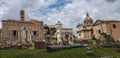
x=88 y=20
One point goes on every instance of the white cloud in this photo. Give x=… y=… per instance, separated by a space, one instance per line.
x=69 y=14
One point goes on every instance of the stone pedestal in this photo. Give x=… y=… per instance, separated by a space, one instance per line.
x=32 y=46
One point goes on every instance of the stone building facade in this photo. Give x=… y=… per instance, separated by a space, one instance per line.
x=111 y=27
x=85 y=31
x=20 y=29
x=62 y=34
x=89 y=29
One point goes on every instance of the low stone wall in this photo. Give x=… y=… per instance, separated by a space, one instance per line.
x=115 y=45
x=60 y=47
x=39 y=45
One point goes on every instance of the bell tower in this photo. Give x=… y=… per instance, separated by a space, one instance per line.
x=22 y=15
x=59 y=28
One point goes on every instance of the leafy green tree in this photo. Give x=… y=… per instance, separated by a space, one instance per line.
x=108 y=37
x=52 y=31
x=94 y=38
x=49 y=32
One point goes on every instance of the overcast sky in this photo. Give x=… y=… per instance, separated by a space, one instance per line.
x=69 y=12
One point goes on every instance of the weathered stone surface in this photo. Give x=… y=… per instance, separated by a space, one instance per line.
x=39 y=45
x=60 y=47
x=13 y=30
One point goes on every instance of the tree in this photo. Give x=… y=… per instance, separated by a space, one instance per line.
x=94 y=38
x=47 y=37
x=52 y=31
x=49 y=32
x=108 y=37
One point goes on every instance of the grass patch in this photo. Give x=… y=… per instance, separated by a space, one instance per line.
x=68 y=53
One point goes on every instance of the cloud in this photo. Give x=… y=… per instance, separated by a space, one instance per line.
x=69 y=12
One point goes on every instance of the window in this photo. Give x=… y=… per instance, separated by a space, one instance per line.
x=92 y=31
x=99 y=31
x=35 y=32
x=14 y=33
x=114 y=26
x=79 y=34
x=66 y=36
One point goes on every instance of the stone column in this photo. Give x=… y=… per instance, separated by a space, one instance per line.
x=19 y=34
x=23 y=34
x=29 y=39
